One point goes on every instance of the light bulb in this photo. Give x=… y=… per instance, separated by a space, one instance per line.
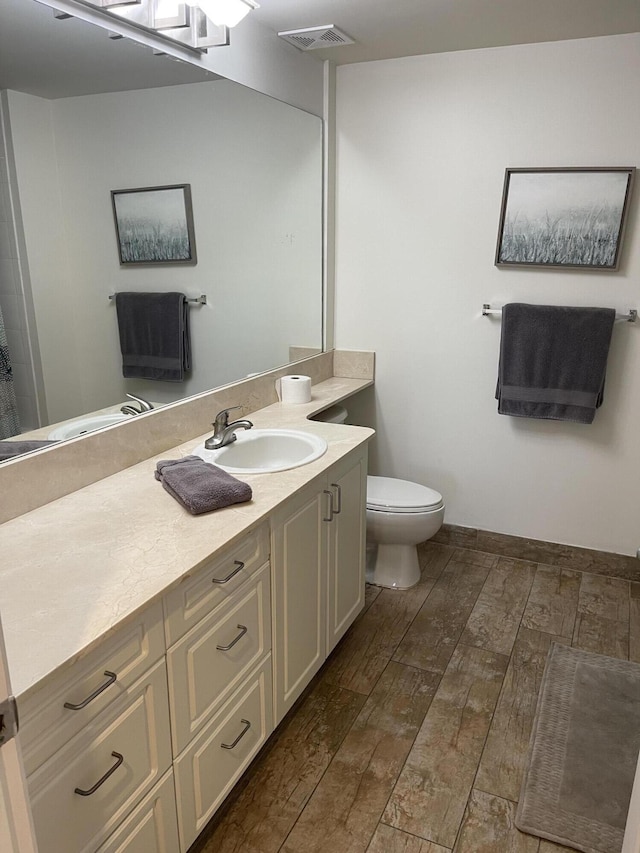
x=225 y=13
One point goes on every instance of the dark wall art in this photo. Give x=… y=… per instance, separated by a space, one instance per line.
x=154 y=225
x=571 y=217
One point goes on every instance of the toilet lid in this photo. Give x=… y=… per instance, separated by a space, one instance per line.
x=387 y=493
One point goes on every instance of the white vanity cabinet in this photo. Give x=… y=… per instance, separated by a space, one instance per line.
x=317 y=559
x=133 y=747
x=220 y=680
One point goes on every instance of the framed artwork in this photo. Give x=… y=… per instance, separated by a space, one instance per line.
x=564 y=218
x=154 y=225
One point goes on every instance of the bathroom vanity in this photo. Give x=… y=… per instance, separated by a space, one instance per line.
x=153 y=652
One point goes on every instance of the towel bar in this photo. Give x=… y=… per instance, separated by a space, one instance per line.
x=199 y=300
x=631 y=317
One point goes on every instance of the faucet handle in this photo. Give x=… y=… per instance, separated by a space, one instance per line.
x=222 y=418
x=145 y=406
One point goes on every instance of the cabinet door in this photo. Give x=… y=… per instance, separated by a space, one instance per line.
x=298 y=552
x=347 y=480
x=152 y=827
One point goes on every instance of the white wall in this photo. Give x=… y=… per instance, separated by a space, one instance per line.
x=254 y=165
x=423 y=143
x=13 y=286
x=9 y=289
x=34 y=144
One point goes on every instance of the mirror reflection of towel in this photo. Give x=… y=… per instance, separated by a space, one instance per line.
x=154 y=335
x=9 y=449
x=553 y=361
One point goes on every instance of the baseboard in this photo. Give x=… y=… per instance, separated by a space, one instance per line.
x=538 y=551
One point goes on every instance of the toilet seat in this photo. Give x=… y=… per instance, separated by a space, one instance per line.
x=387 y=494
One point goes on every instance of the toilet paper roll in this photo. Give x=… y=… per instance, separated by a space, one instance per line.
x=295 y=389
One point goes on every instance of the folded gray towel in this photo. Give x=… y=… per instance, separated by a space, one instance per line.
x=9 y=449
x=200 y=486
x=553 y=361
x=154 y=335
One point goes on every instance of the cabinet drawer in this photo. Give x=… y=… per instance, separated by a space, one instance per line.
x=208 y=769
x=211 y=661
x=213 y=583
x=152 y=827
x=115 y=761
x=46 y=724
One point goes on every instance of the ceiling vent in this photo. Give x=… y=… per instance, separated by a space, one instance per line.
x=313 y=38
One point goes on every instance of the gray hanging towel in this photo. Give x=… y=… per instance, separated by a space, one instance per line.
x=154 y=335
x=553 y=361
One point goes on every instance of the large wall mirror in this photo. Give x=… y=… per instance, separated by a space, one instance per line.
x=83 y=115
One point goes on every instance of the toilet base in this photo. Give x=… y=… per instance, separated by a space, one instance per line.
x=394 y=567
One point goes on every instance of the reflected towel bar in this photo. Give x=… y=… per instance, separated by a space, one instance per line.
x=631 y=317
x=198 y=300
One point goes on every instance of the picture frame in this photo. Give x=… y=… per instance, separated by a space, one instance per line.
x=154 y=225
x=564 y=218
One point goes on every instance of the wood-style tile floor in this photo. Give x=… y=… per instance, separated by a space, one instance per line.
x=414 y=736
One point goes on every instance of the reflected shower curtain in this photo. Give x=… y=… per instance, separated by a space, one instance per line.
x=9 y=421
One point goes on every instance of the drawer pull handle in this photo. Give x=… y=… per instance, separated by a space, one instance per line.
x=111 y=677
x=331 y=510
x=247 y=726
x=239 y=566
x=243 y=631
x=119 y=759
x=338 y=509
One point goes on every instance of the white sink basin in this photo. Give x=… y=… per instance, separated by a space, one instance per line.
x=82 y=425
x=258 y=451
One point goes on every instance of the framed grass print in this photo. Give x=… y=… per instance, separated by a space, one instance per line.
x=154 y=225
x=564 y=218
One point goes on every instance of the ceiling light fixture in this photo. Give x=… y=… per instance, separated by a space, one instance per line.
x=195 y=24
x=225 y=13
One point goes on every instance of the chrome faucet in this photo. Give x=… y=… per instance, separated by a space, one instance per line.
x=128 y=409
x=223 y=431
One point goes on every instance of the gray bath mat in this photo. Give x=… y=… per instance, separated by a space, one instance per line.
x=583 y=752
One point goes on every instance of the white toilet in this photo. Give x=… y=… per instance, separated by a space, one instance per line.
x=400 y=515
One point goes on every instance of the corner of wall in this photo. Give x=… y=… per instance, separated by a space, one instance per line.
x=329 y=203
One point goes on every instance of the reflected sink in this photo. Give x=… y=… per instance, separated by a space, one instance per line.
x=82 y=425
x=258 y=451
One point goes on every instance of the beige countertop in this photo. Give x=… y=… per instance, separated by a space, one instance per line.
x=75 y=569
